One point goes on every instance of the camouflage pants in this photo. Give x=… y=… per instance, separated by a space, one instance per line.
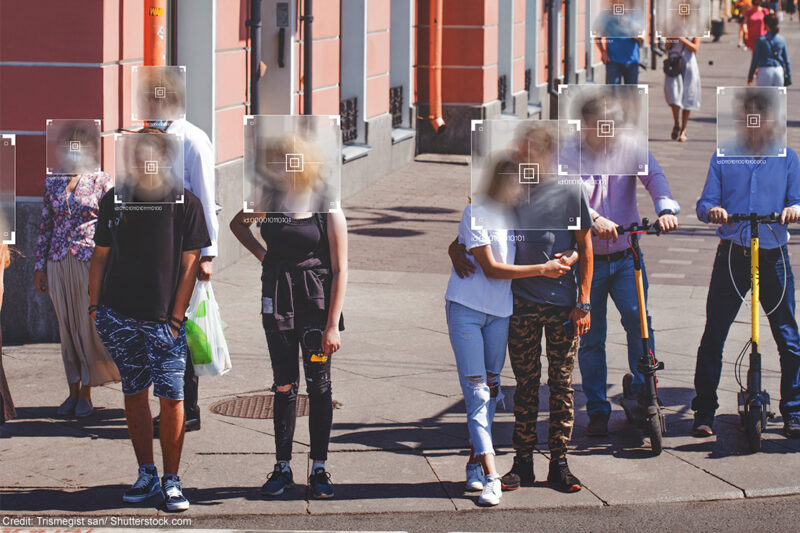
x=525 y=350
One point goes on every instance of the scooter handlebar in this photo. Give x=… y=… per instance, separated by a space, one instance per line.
x=644 y=227
x=749 y=217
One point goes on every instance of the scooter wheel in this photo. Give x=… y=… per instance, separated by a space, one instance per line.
x=654 y=428
x=753 y=427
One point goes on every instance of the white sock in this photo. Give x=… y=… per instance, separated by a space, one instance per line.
x=285 y=466
x=317 y=464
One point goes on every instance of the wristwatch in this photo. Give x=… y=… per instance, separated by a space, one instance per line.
x=586 y=308
x=666 y=212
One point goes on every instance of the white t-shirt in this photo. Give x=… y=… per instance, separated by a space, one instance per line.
x=487 y=295
x=199 y=175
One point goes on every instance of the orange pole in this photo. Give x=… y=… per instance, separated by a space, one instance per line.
x=155 y=32
x=435 y=66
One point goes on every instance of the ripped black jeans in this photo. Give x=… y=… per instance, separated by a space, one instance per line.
x=283 y=347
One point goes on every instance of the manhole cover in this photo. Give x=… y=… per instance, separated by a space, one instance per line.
x=254 y=406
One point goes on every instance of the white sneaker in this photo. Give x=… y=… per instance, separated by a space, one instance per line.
x=492 y=490
x=474 y=477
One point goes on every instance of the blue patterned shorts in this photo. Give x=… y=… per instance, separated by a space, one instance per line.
x=144 y=352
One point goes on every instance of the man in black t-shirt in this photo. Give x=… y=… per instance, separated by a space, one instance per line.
x=141 y=279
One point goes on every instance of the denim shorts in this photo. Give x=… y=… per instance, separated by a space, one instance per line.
x=144 y=352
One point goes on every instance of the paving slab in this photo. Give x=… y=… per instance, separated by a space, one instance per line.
x=381 y=482
x=449 y=467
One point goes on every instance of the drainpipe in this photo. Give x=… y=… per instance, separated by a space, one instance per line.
x=155 y=32
x=553 y=8
x=308 y=41
x=255 y=55
x=569 y=42
x=435 y=66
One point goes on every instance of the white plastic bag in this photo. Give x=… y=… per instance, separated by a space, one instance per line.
x=207 y=345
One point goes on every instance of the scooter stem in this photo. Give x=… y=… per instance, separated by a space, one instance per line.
x=754 y=284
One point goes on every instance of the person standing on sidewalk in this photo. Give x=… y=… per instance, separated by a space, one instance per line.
x=750 y=185
x=478 y=309
x=754 y=26
x=7 y=411
x=141 y=279
x=63 y=251
x=199 y=179
x=621 y=58
x=770 y=62
x=303 y=283
x=612 y=202
x=682 y=92
x=561 y=308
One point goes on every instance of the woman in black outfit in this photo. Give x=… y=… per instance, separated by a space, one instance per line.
x=304 y=275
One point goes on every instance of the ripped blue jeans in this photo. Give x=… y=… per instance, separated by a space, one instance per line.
x=479 y=344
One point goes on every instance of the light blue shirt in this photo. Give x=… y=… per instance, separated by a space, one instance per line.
x=749 y=185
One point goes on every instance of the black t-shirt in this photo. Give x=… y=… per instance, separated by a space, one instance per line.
x=144 y=264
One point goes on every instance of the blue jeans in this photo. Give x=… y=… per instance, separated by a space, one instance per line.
x=617 y=279
x=616 y=72
x=721 y=307
x=479 y=344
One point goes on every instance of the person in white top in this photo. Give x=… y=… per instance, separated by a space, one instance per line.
x=478 y=308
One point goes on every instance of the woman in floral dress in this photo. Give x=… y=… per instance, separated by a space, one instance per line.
x=64 y=248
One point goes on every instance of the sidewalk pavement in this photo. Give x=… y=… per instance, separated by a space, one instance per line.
x=399 y=439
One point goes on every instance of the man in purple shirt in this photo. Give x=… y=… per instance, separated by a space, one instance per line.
x=612 y=203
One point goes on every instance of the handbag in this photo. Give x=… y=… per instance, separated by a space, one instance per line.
x=204 y=335
x=674 y=65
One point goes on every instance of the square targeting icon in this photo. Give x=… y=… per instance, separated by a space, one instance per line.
x=753 y=120
x=684 y=9
x=74 y=146
x=528 y=173
x=151 y=167
x=605 y=128
x=294 y=163
x=160 y=92
x=618 y=9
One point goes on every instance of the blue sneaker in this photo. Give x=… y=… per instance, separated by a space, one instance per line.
x=791 y=426
x=320 y=484
x=174 y=500
x=146 y=486
x=278 y=481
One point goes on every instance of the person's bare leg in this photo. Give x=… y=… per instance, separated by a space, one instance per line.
x=85 y=393
x=675 y=115
x=684 y=123
x=171 y=431
x=472 y=459
x=75 y=389
x=140 y=426
x=487 y=462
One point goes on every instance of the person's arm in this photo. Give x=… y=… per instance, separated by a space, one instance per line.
x=240 y=226
x=708 y=207
x=657 y=185
x=463 y=267
x=582 y=319
x=791 y=213
x=693 y=44
x=97 y=267
x=754 y=60
x=785 y=60
x=554 y=268
x=43 y=242
x=337 y=240
x=190 y=263
x=602 y=45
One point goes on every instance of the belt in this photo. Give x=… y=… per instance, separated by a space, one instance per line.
x=616 y=256
x=767 y=253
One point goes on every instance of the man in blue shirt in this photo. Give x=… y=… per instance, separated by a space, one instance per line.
x=762 y=186
x=621 y=58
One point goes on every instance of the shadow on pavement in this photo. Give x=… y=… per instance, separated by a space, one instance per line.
x=44 y=422
x=101 y=498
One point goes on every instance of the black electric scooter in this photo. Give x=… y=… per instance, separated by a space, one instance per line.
x=644 y=411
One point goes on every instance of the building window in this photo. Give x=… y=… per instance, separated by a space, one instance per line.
x=348 y=110
x=396 y=105
x=502 y=84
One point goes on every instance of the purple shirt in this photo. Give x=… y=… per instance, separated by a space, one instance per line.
x=614 y=197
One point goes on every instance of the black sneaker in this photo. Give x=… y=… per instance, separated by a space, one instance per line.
x=703 y=425
x=320 y=484
x=521 y=474
x=791 y=426
x=561 y=478
x=278 y=481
